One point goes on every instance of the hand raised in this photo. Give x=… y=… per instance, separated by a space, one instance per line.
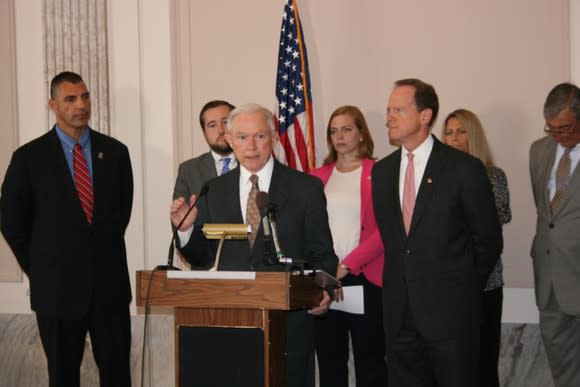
x=179 y=208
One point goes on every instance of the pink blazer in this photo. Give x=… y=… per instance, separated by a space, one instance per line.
x=368 y=257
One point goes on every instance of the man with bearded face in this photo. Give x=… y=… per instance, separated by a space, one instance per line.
x=193 y=173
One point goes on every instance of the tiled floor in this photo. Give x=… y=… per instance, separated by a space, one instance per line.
x=22 y=362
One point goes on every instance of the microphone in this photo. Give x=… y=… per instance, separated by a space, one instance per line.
x=263 y=201
x=169 y=266
x=272 y=209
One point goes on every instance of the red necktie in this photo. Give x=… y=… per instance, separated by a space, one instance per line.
x=83 y=182
x=409 y=193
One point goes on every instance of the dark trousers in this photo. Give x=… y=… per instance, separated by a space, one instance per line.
x=367 y=336
x=492 y=301
x=64 y=342
x=417 y=361
x=300 y=349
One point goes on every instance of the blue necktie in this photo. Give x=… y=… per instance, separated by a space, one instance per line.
x=226 y=166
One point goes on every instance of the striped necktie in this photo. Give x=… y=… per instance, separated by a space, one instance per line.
x=252 y=212
x=225 y=165
x=562 y=179
x=83 y=182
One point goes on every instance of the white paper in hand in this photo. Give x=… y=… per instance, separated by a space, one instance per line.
x=354 y=300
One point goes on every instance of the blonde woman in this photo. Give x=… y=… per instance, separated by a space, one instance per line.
x=346 y=176
x=462 y=129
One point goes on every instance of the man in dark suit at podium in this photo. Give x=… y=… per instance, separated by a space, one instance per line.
x=66 y=202
x=302 y=222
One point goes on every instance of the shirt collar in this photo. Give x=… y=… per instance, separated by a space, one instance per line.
x=217 y=157
x=69 y=142
x=264 y=175
x=423 y=150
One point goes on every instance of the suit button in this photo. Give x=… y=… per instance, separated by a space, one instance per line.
x=551 y=225
x=548 y=251
x=407 y=252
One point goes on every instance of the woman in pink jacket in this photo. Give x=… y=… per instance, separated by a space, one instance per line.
x=346 y=175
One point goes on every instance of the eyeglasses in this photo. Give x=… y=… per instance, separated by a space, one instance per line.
x=560 y=129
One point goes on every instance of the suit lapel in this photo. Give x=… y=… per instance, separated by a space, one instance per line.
x=207 y=170
x=99 y=155
x=548 y=158
x=276 y=191
x=231 y=199
x=428 y=182
x=392 y=187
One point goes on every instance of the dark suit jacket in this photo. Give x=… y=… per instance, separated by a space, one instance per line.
x=302 y=223
x=438 y=270
x=69 y=262
x=192 y=174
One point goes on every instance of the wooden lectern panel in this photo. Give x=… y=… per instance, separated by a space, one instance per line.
x=269 y=290
x=260 y=303
x=271 y=322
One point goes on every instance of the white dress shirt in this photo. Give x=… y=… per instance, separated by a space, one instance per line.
x=421 y=156
x=264 y=178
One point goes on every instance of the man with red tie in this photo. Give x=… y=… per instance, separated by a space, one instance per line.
x=66 y=202
x=436 y=213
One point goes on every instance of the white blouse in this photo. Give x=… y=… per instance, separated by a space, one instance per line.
x=343 y=204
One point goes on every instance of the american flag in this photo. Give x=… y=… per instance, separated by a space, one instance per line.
x=293 y=111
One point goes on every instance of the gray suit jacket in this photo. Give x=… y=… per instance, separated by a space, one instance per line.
x=556 y=245
x=192 y=174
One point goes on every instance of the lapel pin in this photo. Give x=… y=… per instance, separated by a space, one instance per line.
x=100 y=155
x=429 y=181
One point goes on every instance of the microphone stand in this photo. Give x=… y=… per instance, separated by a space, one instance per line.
x=169 y=265
x=290 y=264
x=263 y=202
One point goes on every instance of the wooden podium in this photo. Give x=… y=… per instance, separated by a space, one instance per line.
x=260 y=303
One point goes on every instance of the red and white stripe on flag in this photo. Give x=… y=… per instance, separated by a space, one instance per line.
x=293 y=112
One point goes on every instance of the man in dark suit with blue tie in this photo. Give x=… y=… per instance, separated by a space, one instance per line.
x=302 y=223
x=66 y=202
x=436 y=214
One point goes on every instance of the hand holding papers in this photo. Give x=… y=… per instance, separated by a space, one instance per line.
x=353 y=300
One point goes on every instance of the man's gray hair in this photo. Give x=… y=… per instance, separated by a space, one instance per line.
x=565 y=95
x=251 y=108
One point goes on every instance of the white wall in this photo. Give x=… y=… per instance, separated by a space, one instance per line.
x=575 y=41
x=31 y=114
x=141 y=117
x=496 y=58
x=141 y=101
